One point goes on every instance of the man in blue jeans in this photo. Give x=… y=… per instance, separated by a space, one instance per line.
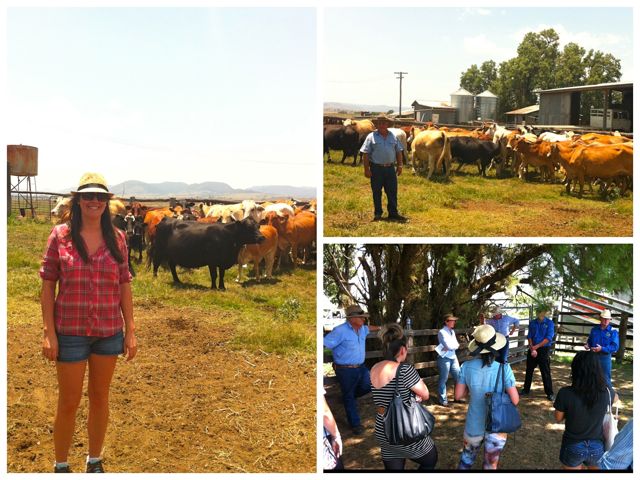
x=347 y=343
x=382 y=162
x=447 y=359
x=604 y=340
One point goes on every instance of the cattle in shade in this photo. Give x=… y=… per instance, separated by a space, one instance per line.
x=256 y=252
x=339 y=137
x=193 y=245
x=469 y=150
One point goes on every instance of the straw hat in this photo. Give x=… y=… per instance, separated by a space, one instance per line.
x=485 y=337
x=92 y=182
x=355 y=311
x=448 y=316
x=606 y=313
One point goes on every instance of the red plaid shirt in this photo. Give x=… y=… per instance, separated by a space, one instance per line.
x=88 y=300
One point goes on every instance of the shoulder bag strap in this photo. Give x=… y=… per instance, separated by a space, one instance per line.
x=500 y=371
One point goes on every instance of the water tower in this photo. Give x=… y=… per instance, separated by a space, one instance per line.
x=486 y=105
x=463 y=101
x=22 y=166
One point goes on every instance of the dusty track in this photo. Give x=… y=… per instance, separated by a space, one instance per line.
x=536 y=445
x=187 y=403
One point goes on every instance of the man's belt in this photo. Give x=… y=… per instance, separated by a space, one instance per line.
x=383 y=164
x=335 y=365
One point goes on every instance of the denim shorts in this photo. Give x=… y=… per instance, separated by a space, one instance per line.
x=75 y=348
x=585 y=451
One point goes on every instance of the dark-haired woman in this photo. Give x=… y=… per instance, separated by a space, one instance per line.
x=394 y=346
x=83 y=325
x=478 y=377
x=582 y=406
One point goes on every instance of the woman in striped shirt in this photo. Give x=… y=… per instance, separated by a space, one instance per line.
x=384 y=376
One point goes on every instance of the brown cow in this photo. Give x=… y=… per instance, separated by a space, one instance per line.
x=256 y=252
x=295 y=232
x=532 y=153
x=593 y=161
x=153 y=218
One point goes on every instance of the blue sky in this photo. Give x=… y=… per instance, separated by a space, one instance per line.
x=165 y=94
x=364 y=47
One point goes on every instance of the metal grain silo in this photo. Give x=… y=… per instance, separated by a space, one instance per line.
x=486 y=105
x=463 y=101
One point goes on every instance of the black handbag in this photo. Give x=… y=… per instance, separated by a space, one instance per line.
x=502 y=414
x=405 y=424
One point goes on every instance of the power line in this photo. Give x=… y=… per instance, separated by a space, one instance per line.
x=400 y=78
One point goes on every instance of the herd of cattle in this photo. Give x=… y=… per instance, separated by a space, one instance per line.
x=217 y=236
x=592 y=157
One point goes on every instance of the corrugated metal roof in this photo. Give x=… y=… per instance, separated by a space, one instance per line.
x=462 y=91
x=432 y=104
x=524 y=110
x=488 y=94
x=582 y=88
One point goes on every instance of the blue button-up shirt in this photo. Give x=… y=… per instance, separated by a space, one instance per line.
x=501 y=325
x=346 y=344
x=620 y=456
x=381 y=150
x=607 y=339
x=538 y=331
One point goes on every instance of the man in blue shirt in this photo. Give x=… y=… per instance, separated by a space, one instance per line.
x=540 y=338
x=347 y=344
x=505 y=325
x=603 y=340
x=620 y=455
x=382 y=161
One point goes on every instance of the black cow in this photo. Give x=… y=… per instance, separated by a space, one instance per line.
x=192 y=245
x=135 y=235
x=470 y=150
x=339 y=137
x=119 y=222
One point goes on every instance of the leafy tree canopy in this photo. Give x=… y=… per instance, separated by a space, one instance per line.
x=426 y=281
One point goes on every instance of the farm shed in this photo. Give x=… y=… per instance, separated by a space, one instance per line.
x=562 y=106
x=527 y=115
x=424 y=111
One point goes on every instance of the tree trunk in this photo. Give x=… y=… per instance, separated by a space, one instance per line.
x=622 y=335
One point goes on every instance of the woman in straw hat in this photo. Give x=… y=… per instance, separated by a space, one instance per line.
x=478 y=377
x=83 y=325
x=394 y=348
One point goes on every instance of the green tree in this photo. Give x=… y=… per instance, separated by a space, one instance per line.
x=570 y=69
x=477 y=80
x=426 y=281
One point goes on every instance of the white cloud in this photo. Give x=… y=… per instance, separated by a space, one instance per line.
x=487 y=48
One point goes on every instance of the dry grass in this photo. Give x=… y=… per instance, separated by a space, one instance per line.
x=469 y=205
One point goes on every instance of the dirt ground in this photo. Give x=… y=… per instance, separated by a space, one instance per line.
x=536 y=446
x=187 y=403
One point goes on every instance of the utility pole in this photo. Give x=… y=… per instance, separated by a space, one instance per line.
x=400 y=77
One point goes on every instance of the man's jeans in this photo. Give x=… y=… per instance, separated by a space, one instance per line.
x=446 y=365
x=384 y=177
x=354 y=382
x=605 y=363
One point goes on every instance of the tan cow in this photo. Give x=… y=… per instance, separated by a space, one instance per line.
x=256 y=252
x=429 y=149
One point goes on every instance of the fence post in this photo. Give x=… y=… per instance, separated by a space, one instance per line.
x=409 y=334
x=622 y=335
x=555 y=318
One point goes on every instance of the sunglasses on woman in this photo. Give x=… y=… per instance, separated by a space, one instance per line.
x=88 y=196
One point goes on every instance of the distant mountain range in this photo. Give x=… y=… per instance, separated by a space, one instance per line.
x=136 y=188
x=356 y=107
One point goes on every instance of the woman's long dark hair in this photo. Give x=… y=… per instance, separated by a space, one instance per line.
x=487 y=358
x=393 y=339
x=108 y=233
x=587 y=379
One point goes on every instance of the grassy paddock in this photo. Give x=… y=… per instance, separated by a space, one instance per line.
x=469 y=205
x=273 y=316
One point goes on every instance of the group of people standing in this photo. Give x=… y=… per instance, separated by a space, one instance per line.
x=581 y=405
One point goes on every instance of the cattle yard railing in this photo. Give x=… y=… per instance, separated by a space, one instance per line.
x=43 y=202
x=422 y=344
